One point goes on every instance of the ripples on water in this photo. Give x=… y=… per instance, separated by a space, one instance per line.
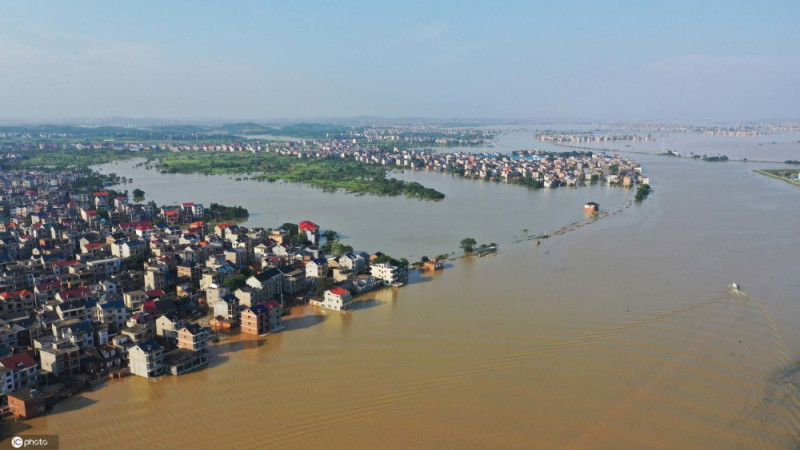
x=614 y=335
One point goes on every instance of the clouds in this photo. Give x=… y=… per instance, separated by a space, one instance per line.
x=443 y=63
x=98 y=78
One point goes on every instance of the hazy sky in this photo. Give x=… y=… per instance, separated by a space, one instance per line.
x=604 y=60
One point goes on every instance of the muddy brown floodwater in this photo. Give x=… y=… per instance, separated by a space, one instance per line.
x=619 y=334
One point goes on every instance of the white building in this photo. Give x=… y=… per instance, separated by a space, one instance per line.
x=386 y=272
x=337 y=299
x=146 y=359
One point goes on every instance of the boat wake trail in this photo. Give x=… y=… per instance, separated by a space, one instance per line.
x=539 y=347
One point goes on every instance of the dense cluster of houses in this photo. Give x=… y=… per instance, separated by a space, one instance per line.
x=588 y=137
x=533 y=167
x=94 y=286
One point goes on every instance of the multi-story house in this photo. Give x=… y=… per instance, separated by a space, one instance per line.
x=112 y=313
x=167 y=326
x=388 y=273
x=140 y=332
x=317 y=268
x=47 y=291
x=337 y=299
x=79 y=333
x=270 y=281
x=227 y=307
x=134 y=299
x=128 y=249
x=311 y=230
x=17 y=301
x=146 y=359
x=248 y=296
x=24 y=368
x=72 y=309
x=352 y=262
x=60 y=358
x=262 y=318
x=194 y=337
x=75 y=294
x=294 y=280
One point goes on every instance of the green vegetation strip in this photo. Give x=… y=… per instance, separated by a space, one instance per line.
x=780 y=174
x=329 y=174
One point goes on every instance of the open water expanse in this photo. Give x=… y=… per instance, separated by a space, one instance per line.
x=620 y=333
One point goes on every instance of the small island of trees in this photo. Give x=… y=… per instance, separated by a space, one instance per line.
x=222 y=212
x=642 y=192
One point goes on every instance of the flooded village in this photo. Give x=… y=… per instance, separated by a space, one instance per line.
x=96 y=286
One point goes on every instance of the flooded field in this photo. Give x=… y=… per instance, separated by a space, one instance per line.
x=619 y=334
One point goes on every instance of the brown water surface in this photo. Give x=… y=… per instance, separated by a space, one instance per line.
x=618 y=334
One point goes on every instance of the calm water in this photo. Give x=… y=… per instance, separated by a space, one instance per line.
x=779 y=147
x=618 y=334
x=487 y=211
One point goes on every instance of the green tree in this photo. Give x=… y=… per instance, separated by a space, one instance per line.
x=339 y=249
x=642 y=192
x=467 y=244
x=301 y=239
x=323 y=284
x=235 y=282
x=291 y=228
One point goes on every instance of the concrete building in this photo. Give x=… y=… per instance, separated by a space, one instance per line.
x=270 y=281
x=248 y=296
x=24 y=368
x=337 y=299
x=310 y=229
x=194 y=337
x=27 y=403
x=317 y=268
x=146 y=359
x=134 y=299
x=262 y=318
x=591 y=208
x=227 y=307
x=388 y=273
x=60 y=358
x=167 y=326
x=352 y=262
x=180 y=361
x=111 y=313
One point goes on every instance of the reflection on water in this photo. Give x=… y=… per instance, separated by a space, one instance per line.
x=618 y=334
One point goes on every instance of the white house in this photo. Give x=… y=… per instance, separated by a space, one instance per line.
x=337 y=299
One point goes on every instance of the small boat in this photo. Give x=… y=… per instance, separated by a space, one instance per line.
x=734 y=286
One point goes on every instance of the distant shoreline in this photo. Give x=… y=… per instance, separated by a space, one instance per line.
x=772 y=175
x=596 y=149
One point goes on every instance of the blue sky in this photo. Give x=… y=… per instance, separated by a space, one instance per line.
x=579 y=60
